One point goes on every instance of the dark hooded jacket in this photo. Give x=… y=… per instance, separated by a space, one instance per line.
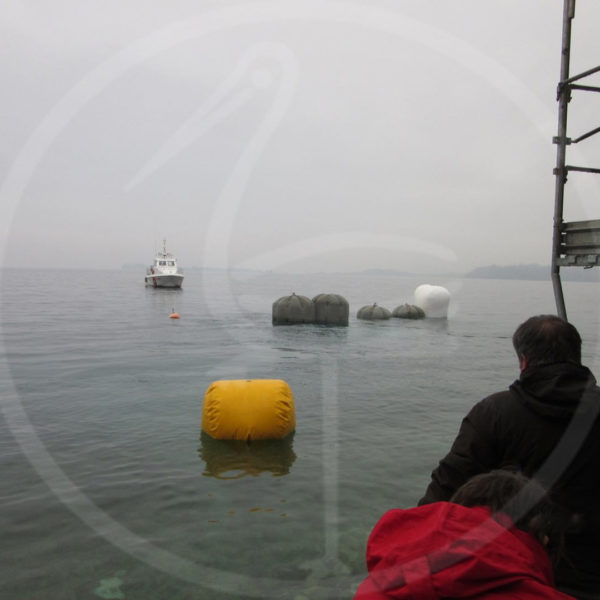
x=447 y=551
x=547 y=426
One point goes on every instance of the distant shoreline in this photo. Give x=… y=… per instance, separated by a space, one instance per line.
x=530 y=272
x=533 y=272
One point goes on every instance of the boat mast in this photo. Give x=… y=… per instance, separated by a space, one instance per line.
x=576 y=243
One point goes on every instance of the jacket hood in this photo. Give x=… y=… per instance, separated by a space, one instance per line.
x=444 y=550
x=556 y=390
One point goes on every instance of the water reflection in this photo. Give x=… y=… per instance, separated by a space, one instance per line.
x=234 y=459
x=437 y=325
x=163 y=299
x=295 y=337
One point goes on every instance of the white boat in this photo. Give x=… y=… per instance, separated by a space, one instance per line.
x=164 y=272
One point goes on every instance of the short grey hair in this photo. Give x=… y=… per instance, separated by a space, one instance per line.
x=546 y=339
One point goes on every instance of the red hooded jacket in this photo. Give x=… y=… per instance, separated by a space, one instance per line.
x=444 y=550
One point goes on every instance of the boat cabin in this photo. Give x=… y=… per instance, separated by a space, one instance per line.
x=164 y=263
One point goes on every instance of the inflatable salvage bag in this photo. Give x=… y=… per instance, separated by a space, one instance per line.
x=373 y=313
x=331 y=309
x=248 y=409
x=408 y=311
x=293 y=310
x=433 y=300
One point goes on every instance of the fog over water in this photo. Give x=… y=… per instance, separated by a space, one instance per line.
x=293 y=136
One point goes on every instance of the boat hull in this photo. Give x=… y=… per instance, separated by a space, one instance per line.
x=164 y=281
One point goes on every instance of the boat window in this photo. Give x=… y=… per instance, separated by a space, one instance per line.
x=171 y=263
x=163 y=263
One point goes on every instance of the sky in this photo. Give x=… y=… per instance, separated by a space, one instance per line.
x=291 y=136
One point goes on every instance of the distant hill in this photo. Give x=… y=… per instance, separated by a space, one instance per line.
x=533 y=272
x=385 y=272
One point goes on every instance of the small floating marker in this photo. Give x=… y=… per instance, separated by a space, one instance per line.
x=174 y=315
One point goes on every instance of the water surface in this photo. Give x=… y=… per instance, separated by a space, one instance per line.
x=109 y=489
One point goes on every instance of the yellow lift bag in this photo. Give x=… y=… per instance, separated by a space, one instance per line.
x=248 y=409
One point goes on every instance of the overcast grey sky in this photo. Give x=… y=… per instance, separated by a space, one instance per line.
x=298 y=136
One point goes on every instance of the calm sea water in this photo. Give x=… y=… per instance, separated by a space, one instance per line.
x=110 y=491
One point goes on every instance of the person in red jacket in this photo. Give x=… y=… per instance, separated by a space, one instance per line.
x=488 y=543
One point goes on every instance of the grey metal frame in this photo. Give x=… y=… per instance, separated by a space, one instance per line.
x=576 y=243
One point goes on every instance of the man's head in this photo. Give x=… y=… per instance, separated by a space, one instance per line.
x=546 y=339
x=524 y=500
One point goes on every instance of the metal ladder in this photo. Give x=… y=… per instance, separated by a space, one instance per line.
x=574 y=244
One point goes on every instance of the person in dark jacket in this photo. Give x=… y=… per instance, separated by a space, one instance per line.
x=547 y=425
x=487 y=543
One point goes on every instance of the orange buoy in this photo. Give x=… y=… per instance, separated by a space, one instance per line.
x=174 y=315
